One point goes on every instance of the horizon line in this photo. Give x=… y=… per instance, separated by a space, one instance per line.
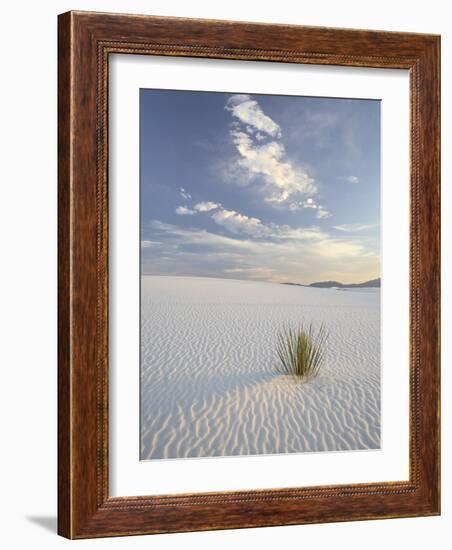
x=258 y=280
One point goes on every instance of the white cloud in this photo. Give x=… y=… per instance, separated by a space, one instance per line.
x=280 y=253
x=264 y=162
x=202 y=237
x=279 y=238
x=322 y=213
x=184 y=194
x=148 y=243
x=248 y=111
x=206 y=206
x=282 y=179
x=239 y=223
x=354 y=227
x=351 y=179
x=184 y=211
x=308 y=203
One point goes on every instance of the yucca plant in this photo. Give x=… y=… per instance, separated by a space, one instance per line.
x=301 y=350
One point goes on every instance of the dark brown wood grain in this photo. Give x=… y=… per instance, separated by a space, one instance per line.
x=64 y=295
x=85 y=508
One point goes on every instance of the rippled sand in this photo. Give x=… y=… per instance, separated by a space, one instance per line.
x=209 y=385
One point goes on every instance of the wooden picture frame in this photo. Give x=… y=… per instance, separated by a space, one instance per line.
x=85 y=42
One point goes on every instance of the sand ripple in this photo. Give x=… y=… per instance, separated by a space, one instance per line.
x=209 y=386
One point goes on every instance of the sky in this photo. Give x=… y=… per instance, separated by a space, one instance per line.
x=260 y=187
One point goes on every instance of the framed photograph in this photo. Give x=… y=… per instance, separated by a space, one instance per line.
x=248 y=275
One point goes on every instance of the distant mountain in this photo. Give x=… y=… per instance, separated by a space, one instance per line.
x=374 y=283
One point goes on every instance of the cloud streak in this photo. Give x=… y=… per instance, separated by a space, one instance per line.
x=272 y=252
x=354 y=227
x=184 y=211
x=148 y=243
x=350 y=179
x=206 y=206
x=320 y=211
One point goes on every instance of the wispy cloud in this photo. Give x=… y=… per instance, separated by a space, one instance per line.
x=280 y=238
x=239 y=223
x=184 y=211
x=194 y=236
x=350 y=179
x=354 y=227
x=184 y=194
x=265 y=251
x=322 y=213
x=148 y=243
x=206 y=206
x=308 y=203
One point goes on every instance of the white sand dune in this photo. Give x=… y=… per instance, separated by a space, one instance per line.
x=209 y=382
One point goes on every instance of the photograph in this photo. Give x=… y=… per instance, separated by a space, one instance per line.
x=260 y=274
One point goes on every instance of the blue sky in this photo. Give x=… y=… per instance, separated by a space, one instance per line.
x=264 y=187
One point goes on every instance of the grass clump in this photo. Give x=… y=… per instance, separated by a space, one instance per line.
x=301 y=350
